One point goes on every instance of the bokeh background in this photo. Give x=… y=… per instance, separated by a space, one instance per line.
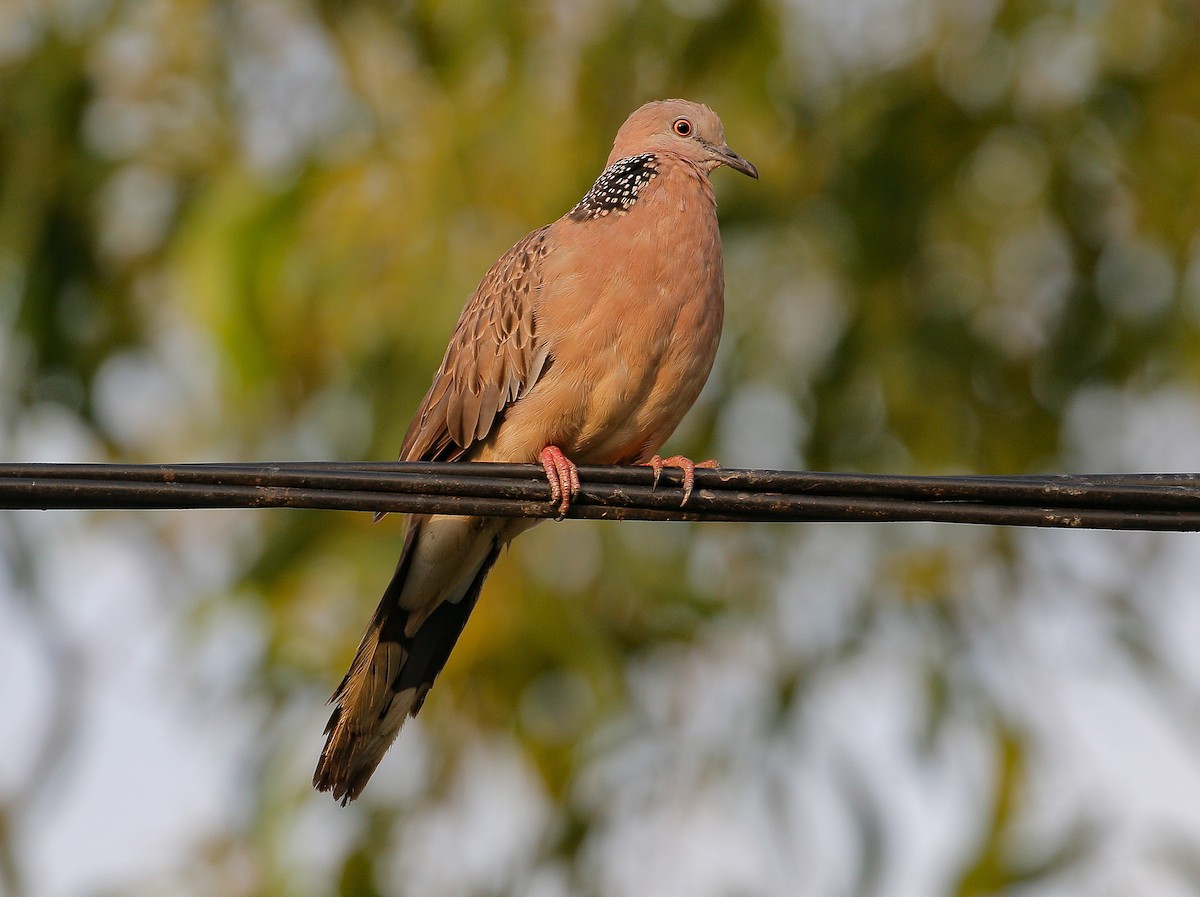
x=243 y=229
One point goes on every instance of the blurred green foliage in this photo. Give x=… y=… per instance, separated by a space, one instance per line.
x=970 y=215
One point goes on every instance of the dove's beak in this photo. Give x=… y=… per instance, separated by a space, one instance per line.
x=725 y=156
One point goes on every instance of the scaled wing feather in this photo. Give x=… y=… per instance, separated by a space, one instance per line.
x=493 y=359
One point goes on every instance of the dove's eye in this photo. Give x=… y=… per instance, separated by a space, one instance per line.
x=682 y=127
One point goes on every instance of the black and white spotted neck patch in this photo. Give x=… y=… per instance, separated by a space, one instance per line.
x=616 y=190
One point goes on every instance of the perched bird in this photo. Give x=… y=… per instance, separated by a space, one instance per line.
x=587 y=341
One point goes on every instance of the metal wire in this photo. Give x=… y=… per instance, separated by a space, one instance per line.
x=1114 y=501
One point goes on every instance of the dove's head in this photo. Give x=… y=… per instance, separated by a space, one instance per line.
x=676 y=127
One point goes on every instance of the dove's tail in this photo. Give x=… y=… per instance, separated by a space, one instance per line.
x=417 y=623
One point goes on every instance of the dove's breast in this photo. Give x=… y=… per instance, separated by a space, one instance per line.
x=631 y=308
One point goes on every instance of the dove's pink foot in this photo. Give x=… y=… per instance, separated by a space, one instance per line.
x=563 y=477
x=686 y=465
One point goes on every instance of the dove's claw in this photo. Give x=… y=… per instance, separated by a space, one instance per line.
x=562 y=475
x=688 y=467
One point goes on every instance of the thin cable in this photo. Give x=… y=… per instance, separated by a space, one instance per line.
x=1120 y=501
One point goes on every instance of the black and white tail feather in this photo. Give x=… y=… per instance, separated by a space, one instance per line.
x=400 y=656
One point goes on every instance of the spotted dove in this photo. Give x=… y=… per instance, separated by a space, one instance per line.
x=588 y=340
